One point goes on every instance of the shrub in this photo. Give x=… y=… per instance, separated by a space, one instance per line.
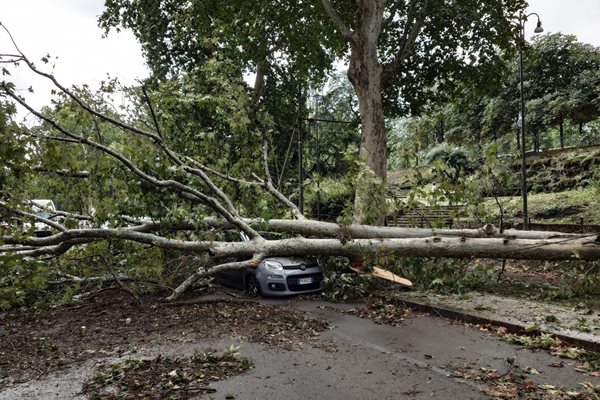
x=340 y=283
x=454 y=158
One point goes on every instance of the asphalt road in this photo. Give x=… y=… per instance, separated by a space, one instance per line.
x=371 y=362
x=384 y=362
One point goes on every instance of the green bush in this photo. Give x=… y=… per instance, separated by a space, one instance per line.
x=327 y=198
x=21 y=281
x=455 y=158
x=443 y=275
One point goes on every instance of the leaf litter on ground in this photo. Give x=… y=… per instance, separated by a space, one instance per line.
x=165 y=377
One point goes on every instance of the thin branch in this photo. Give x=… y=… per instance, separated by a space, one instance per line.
x=36 y=217
x=268 y=185
x=261 y=69
x=54 y=250
x=46 y=137
x=194 y=194
x=152 y=113
x=130 y=234
x=63 y=172
x=123 y=287
x=287 y=156
x=210 y=269
x=346 y=32
x=75 y=98
x=280 y=197
x=15 y=248
x=200 y=173
x=265 y=159
x=412 y=28
x=71 y=215
x=221 y=175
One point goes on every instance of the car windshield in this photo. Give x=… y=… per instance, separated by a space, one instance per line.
x=43 y=214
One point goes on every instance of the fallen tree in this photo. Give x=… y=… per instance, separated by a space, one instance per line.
x=204 y=191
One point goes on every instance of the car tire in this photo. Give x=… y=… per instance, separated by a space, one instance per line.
x=252 y=286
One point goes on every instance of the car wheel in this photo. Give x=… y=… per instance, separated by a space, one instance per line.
x=252 y=286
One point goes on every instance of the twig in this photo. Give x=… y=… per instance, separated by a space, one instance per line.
x=125 y=288
x=91 y=295
x=196 y=389
x=203 y=300
x=501 y=271
x=152 y=113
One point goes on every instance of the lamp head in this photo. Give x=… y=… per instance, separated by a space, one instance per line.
x=538 y=28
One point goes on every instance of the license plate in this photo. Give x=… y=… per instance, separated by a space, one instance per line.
x=305 y=281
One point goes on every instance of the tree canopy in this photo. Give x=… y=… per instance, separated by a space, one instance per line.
x=561 y=78
x=396 y=50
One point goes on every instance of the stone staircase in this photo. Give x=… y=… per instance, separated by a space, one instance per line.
x=427 y=217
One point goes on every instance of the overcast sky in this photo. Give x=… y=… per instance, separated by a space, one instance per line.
x=68 y=29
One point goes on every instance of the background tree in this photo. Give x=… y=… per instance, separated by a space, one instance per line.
x=561 y=78
x=396 y=49
x=285 y=45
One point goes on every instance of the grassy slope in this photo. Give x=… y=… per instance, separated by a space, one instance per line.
x=562 y=207
x=565 y=173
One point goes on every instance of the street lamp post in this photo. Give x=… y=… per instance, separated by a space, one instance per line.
x=538 y=29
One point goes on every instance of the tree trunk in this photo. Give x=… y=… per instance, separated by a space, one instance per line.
x=259 y=81
x=582 y=248
x=562 y=133
x=365 y=74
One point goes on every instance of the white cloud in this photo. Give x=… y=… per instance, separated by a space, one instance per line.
x=574 y=17
x=67 y=29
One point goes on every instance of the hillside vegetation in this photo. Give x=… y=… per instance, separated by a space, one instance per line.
x=567 y=207
x=561 y=186
x=560 y=170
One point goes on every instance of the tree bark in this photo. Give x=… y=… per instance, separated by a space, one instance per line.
x=328 y=229
x=484 y=243
x=365 y=74
x=259 y=81
x=583 y=248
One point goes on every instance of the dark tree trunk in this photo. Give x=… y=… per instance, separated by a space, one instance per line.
x=562 y=133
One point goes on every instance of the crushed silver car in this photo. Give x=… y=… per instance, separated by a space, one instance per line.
x=275 y=276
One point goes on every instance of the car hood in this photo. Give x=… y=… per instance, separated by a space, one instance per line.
x=289 y=260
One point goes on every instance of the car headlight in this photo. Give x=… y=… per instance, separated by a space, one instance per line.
x=273 y=266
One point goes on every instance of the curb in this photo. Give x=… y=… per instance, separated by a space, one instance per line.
x=579 y=339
